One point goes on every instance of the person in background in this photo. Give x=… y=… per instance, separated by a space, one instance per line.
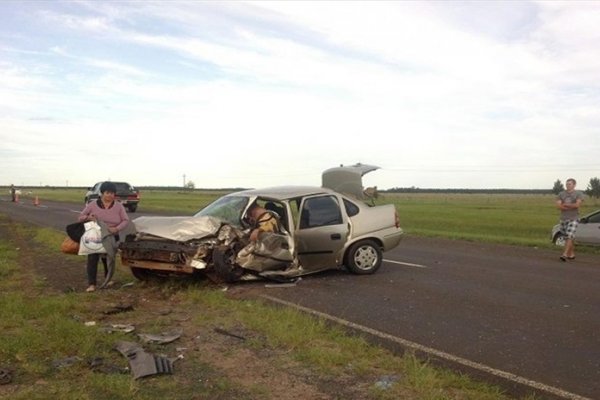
x=110 y=212
x=13 y=193
x=568 y=202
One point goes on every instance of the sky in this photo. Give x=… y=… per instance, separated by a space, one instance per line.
x=463 y=94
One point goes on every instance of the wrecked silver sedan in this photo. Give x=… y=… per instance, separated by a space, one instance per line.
x=313 y=229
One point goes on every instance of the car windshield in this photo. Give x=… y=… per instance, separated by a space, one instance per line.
x=228 y=209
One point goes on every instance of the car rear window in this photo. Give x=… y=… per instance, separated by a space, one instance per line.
x=124 y=187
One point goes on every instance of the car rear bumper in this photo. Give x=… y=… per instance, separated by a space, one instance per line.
x=126 y=202
x=392 y=238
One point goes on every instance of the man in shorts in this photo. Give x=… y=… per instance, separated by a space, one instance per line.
x=568 y=202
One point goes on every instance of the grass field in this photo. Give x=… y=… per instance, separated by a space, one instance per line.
x=499 y=218
x=521 y=219
x=47 y=345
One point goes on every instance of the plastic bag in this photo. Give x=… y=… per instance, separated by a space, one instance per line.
x=91 y=240
x=69 y=246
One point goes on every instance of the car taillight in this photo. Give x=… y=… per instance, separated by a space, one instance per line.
x=397 y=219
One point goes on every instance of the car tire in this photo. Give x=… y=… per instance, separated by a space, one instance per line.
x=224 y=262
x=364 y=257
x=145 y=275
x=140 y=274
x=560 y=240
x=132 y=207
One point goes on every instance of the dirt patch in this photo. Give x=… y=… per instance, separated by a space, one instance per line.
x=210 y=355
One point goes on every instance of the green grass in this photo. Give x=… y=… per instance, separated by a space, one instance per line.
x=499 y=218
x=39 y=327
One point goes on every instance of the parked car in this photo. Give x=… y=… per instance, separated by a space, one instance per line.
x=321 y=229
x=126 y=194
x=588 y=231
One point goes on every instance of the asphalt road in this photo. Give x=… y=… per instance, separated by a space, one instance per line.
x=514 y=315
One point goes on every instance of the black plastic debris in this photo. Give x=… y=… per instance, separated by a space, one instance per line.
x=5 y=376
x=119 y=308
x=142 y=363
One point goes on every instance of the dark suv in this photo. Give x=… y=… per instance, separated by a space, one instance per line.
x=126 y=194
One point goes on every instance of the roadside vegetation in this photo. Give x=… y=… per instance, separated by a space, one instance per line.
x=233 y=346
x=519 y=219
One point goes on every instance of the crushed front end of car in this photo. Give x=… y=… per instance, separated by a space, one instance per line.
x=205 y=245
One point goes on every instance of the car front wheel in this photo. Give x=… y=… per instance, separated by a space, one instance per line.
x=560 y=240
x=364 y=257
x=145 y=275
x=224 y=262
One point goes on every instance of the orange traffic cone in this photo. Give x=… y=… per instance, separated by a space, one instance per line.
x=36 y=202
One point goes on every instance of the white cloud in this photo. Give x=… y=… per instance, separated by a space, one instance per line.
x=437 y=97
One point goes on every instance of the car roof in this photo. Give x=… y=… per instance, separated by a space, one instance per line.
x=115 y=182
x=284 y=192
x=118 y=184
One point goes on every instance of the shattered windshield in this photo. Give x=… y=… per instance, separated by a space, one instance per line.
x=228 y=209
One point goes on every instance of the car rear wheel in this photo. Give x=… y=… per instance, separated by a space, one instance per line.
x=560 y=240
x=364 y=257
x=132 y=207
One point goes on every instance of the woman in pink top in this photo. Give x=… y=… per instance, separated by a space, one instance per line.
x=113 y=214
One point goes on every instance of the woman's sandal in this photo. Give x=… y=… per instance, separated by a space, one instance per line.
x=563 y=258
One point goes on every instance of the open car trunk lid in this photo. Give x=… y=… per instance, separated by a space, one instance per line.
x=347 y=179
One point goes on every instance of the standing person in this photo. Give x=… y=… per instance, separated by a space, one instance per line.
x=13 y=193
x=568 y=202
x=110 y=212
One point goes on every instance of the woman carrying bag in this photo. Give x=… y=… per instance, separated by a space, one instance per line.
x=110 y=212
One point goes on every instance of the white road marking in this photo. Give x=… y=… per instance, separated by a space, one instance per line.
x=405 y=263
x=433 y=352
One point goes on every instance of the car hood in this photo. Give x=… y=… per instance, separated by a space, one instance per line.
x=347 y=179
x=178 y=228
